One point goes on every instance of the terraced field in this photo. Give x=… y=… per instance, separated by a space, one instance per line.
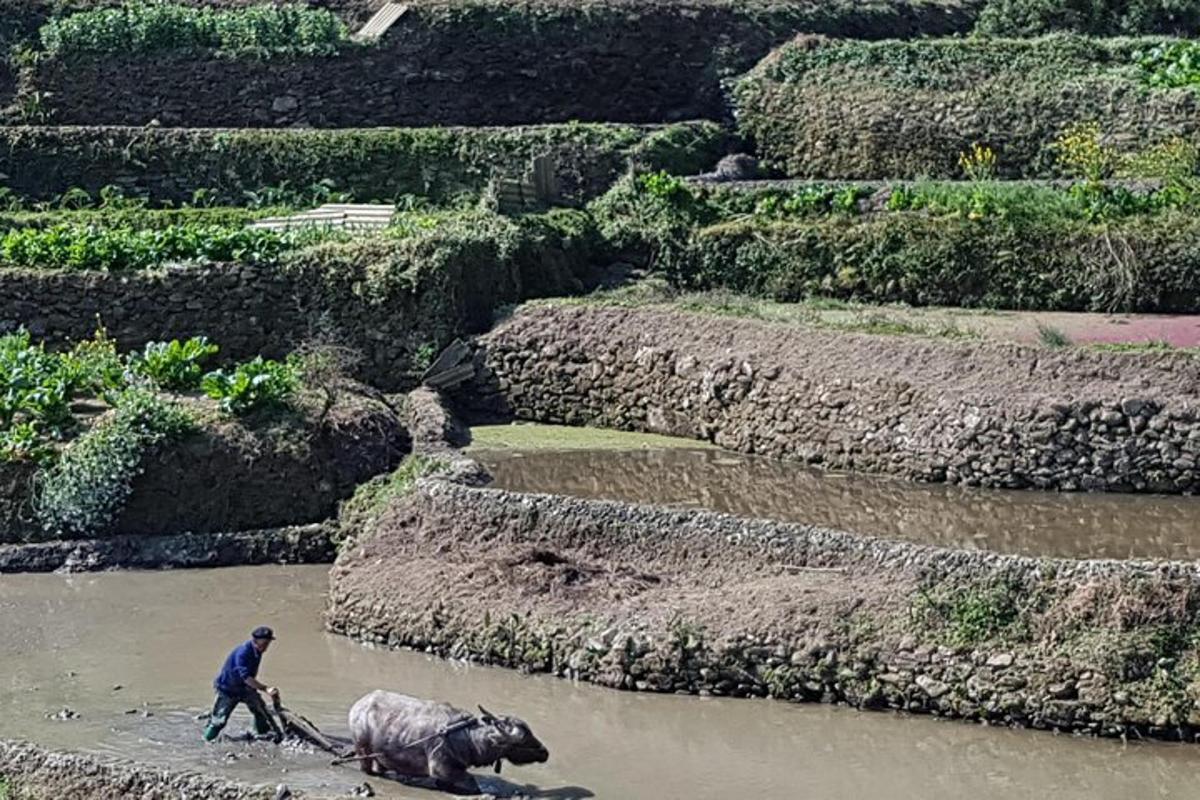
x=260 y=273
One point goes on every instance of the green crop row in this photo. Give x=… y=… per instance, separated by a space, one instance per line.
x=140 y=28
x=98 y=247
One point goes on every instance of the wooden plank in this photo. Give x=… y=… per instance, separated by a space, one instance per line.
x=451 y=377
x=378 y=25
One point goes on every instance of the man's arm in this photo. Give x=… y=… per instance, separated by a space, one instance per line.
x=257 y=685
x=243 y=672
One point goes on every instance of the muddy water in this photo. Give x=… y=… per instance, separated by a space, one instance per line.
x=70 y=640
x=1034 y=523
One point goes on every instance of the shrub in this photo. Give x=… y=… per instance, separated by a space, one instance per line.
x=1136 y=264
x=83 y=492
x=139 y=28
x=1096 y=17
x=906 y=109
x=255 y=384
x=174 y=365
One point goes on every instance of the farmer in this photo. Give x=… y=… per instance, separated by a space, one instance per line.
x=239 y=683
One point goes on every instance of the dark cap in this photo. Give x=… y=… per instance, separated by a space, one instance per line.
x=263 y=632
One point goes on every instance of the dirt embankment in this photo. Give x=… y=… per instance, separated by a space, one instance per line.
x=270 y=470
x=34 y=773
x=974 y=413
x=646 y=598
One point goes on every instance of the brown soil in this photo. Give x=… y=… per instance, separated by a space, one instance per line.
x=476 y=567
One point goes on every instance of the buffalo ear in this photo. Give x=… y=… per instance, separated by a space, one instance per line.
x=487 y=715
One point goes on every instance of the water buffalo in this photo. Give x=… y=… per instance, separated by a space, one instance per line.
x=420 y=738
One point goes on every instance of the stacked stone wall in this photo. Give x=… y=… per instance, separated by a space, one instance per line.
x=972 y=413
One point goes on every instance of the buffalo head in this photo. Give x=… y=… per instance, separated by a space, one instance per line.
x=513 y=740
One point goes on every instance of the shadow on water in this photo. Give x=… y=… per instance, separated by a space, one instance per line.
x=498 y=787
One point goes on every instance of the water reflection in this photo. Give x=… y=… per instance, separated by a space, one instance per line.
x=1032 y=523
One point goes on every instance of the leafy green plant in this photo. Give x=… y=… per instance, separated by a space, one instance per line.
x=1170 y=64
x=23 y=442
x=139 y=29
x=252 y=385
x=662 y=185
x=109 y=249
x=174 y=365
x=34 y=386
x=84 y=491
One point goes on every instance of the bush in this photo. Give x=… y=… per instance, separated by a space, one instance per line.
x=255 y=384
x=1095 y=17
x=94 y=247
x=906 y=110
x=83 y=493
x=146 y=28
x=174 y=365
x=1136 y=264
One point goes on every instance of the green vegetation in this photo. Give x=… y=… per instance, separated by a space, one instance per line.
x=255 y=384
x=95 y=247
x=1050 y=336
x=85 y=489
x=304 y=167
x=1095 y=17
x=908 y=109
x=175 y=366
x=970 y=615
x=140 y=28
x=1171 y=64
x=1088 y=245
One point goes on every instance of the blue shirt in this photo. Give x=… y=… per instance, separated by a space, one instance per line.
x=242 y=663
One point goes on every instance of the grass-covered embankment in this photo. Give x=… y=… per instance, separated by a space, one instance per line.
x=1082 y=245
x=95 y=443
x=397 y=296
x=907 y=109
x=199 y=166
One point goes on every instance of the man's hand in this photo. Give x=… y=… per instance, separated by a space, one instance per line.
x=272 y=691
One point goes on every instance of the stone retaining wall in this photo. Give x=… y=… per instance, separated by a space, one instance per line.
x=668 y=600
x=454 y=283
x=35 y=773
x=973 y=413
x=305 y=544
x=374 y=164
x=477 y=63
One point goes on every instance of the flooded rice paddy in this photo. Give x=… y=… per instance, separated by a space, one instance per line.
x=160 y=636
x=1070 y=525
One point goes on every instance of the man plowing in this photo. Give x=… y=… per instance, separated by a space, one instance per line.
x=238 y=683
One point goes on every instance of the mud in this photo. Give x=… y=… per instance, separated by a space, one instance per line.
x=665 y=600
x=69 y=640
x=1069 y=525
x=308 y=544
